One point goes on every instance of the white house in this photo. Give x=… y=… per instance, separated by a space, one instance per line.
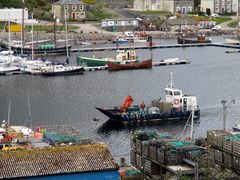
x=219 y=6
x=183 y=6
x=15 y=15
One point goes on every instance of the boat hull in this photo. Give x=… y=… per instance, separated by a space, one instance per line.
x=181 y=40
x=51 y=51
x=91 y=62
x=63 y=73
x=136 y=65
x=128 y=117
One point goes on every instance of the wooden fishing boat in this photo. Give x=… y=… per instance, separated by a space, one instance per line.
x=132 y=65
x=176 y=107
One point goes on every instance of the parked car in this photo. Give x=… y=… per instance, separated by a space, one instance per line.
x=215 y=15
x=216 y=28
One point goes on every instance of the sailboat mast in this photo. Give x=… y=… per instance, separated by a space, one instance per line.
x=29 y=114
x=65 y=19
x=32 y=37
x=9 y=111
x=54 y=26
x=9 y=34
x=22 y=34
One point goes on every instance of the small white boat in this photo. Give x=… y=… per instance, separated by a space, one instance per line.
x=5 y=70
x=171 y=61
x=85 y=43
x=236 y=128
x=33 y=66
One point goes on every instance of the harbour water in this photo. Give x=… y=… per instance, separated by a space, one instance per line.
x=212 y=76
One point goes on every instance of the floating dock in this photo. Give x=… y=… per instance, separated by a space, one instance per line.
x=146 y=46
x=176 y=62
x=232 y=51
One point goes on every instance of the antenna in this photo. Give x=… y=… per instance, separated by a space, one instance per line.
x=9 y=111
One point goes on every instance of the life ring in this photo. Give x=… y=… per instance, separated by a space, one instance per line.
x=176 y=101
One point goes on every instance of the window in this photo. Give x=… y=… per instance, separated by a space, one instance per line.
x=216 y=2
x=216 y=9
x=81 y=7
x=229 y=2
x=66 y=7
x=66 y=14
x=189 y=3
x=228 y=9
x=177 y=93
x=74 y=7
x=158 y=7
x=147 y=7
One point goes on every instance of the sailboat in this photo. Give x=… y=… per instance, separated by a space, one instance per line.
x=58 y=69
x=45 y=48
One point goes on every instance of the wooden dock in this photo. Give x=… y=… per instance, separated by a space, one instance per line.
x=114 y=48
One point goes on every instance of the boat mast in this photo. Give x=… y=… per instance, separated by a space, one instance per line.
x=29 y=115
x=32 y=37
x=170 y=85
x=191 y=132
x=9 y=34
x=9 y=111
x=238 y=19
x=65 y=20
x=22 y=34
x=54 y=30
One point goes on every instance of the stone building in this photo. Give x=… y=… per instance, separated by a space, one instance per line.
x=219 y=6
x=74 y=9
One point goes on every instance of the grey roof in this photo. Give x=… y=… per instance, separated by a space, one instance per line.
x=62 y=2
x=56 y=160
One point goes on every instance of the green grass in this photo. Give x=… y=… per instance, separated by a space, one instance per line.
x=221 y=20
x=233 y=24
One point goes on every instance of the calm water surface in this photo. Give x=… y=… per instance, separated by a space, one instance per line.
x=212 y=76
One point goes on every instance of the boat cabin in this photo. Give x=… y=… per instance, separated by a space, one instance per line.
x=46 y=46
x=126 y=55
x=178 y=99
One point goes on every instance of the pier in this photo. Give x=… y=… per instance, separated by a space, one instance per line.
x=113 y=48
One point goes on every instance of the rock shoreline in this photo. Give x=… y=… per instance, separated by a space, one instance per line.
x=107 y=37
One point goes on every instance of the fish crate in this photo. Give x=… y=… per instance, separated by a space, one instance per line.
x=236 y=148
x=139 y=161
x=141 y=146
x=193 y=153
x=169 y=156
x=133 y=158
x=236 y=163
x=215 y=137
x=227 y=160
x=153 y=152
x=227 y=145
x=151 y=167
x=218 y=156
